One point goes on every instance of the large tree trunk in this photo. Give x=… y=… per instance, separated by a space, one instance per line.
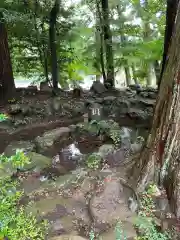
x=52 y=38
x=160 y=157
x=170 y=19
x=7 y=86
x=108 y=45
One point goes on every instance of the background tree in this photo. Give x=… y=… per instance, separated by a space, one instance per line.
x=108 y=44
x=7 y=85
x=79 y=52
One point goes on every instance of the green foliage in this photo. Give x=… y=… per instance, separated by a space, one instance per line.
x=3 y=117
x=15 y=223
x=105 y=127
x=145 y=220
x=120 y=235
x=137 y=37
x=150 y=232
x=110 y=128
x=93 y=161
x=18 y=160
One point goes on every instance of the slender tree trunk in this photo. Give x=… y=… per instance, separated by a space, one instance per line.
x=52 y=38
x=128 y=75
x=159 y=160
x=134 y=74
x=151 y=76
x=157 y=70
x=170 y=19
x=46 y=72
x=147 y=37
x=108 y=45
x=123 y=41
x=99 y=44
x=97 y=59
x=45 y=47
x=7 y=85
x=100 y=29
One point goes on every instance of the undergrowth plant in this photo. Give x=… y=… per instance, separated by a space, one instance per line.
x=145 y=220
x=13 y=100
x=3 y=117
x=15 y=223
x=18 y=160
x=107 y=127
x=93 y=161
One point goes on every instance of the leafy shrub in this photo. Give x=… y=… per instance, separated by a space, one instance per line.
x=18 y=160
x=3 y=117
x=145 y=221
x=93 y=161
x=107 y=127
x=15 y=223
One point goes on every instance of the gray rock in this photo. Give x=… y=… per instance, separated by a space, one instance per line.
x=14 y=109
x=98 y=87
x=148 y=102
x=117 y=158
x=44 y=86
x=138 y=114
x=67 y=237
x=137 y=146
x=37 y=162
x=70 y=156
x=27 y=146
x=109 y=99
x=105 y=149
x=110 y=204
x=50 y=137
x=121 y=106
x=78 y=108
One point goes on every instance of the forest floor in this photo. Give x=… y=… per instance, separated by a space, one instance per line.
x=77 y=177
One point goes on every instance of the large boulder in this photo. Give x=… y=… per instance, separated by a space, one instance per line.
x=106 y=149
x=14 y=109
x=78 y=108
x=38 y=162
x=109 y=203
x=68 y=237
x=50 y=137
x=98 y=87
x=44 y=86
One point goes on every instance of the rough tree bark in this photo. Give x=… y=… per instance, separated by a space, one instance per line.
x=159 y=160
x=100 y=40
x=52 y=43
x=170 y=18
x=108 y=45
x=7 y=85
x=123 y=41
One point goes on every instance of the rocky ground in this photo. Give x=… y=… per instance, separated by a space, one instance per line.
x=59 y=185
